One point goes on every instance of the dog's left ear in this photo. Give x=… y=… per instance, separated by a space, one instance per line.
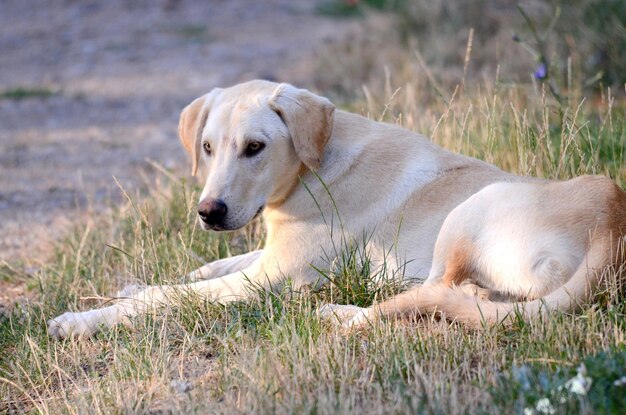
x=309 y=119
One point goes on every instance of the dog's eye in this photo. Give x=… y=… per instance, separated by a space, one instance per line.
x=207 y=147
x=254 y=148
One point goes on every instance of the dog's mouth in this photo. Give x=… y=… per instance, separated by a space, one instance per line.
x=218 y=228
x=258 y=212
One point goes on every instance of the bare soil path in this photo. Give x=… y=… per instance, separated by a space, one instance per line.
x=119 y=73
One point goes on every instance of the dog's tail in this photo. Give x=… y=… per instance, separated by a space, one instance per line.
x=455 y=304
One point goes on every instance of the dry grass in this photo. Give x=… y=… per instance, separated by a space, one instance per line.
x=273 y=355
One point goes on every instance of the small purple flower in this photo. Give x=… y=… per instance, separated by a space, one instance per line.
x=516 y=38
x=541 y=72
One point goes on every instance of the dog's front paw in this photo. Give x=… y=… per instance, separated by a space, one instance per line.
x=338 y=313
x=84 y=324
x=359 y=319
x=71 y=324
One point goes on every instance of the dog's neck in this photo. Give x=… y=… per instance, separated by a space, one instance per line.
x=339 y=153
x=286 y=188
x=353 y=138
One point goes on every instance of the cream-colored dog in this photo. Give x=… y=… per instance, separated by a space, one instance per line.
x=424 y=211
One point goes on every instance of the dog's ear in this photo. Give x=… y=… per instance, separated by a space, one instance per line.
x=192 y=121
x=309 y=119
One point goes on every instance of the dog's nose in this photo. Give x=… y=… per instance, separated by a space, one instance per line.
x=212 y=211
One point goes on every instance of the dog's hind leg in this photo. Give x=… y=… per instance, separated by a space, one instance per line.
x=338 y=313
x=400 y=304
x=452 y=267
x=469 y=287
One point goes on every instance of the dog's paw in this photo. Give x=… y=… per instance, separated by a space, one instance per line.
x=474 y=290
x=360 y=319
x=337 y=313
x=86 y=323
x=72 y=325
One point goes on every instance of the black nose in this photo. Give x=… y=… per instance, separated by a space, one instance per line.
x=212 y=211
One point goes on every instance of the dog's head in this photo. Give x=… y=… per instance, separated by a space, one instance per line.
x=250 y=142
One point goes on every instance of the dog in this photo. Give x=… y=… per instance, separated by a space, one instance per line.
x=317 y=174
x=544 y=246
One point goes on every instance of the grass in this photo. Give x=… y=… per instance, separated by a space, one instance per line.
x=273 y=355
x=193 y=32
x=19 y=93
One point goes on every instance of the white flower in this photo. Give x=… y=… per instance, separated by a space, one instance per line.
x=579 y=384
x=620 y=382
x=544 y=406
x=529 y=411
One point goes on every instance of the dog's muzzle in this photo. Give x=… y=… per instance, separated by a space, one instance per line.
x=213 y=213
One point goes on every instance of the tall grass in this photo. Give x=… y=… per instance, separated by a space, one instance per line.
x=273 y=354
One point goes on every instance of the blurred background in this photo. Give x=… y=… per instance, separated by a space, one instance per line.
x=95 y=194
x=90 y=90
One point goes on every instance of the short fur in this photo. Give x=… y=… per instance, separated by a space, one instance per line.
x=500 y=234
x=560 y=240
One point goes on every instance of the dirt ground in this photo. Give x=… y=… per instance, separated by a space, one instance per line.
x=119 y=72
